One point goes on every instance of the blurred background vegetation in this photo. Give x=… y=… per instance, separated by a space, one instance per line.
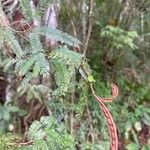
x=118 y=51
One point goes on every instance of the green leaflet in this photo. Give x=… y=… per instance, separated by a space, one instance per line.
x=60 y=72
x=43 y=63
x=35 y=43
x=40 y=145
x=48 y=134
x=26 y=66
x=67 y=56
x=63 y=75
x=36 y=70
x=38 y=52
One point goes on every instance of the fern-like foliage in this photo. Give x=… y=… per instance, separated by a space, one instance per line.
x=79 y=108
x=119 y=37
x=63 y=76
x=38 y=51
x=37 y=61
x=40 y=9
x=8 y=36
x=66 y=56
x=31 y=60
x=64 y=62
x=37 y=58
x=7 y=63
x=58 y=35
x=6 y=141
x=48 y=134
x=36 y=91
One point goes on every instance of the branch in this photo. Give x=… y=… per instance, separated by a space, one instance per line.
x=89 y=28
x=24 y=143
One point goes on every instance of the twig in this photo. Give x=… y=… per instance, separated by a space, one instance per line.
x=5 y=23
x=89 y=28
x=24 y=143
x=71 y=18
x=71 y=115
x=91 y=124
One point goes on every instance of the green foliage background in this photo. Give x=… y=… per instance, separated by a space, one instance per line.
x=51 y=82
